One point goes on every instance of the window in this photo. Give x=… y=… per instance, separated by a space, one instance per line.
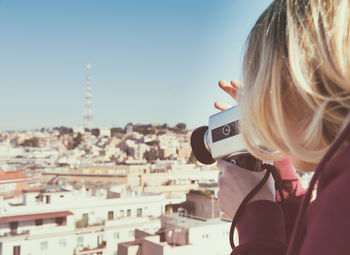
x=128 y=213
x=62 y=243
x=13 y=227
x=201 y=207
x=205 y=236
x=139 y=212
x=207 y=208
x=121 y=213
x=38 y=222
x=131 y=233
x=17 y=250
x=116 y=235
x=44 y=245
x=100 y=239
x=110 y=215
x=80 y=240
x=61 y=221
x=85 y=215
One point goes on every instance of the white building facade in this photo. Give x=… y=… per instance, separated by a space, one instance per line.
x=61 y=222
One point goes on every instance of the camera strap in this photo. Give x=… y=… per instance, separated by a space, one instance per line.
x=270 y=169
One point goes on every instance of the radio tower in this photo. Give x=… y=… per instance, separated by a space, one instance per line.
x=88 y=96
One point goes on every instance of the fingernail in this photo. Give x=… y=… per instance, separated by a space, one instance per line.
x=225 y=82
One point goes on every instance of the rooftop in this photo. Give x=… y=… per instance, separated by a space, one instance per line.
x=193 y=221
x=27 y=217
x=13 y=175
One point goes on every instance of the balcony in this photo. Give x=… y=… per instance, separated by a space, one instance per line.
x=84 y=223
x=92 y=251
x=15 y=233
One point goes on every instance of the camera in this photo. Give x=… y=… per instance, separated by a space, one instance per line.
x=222 y=140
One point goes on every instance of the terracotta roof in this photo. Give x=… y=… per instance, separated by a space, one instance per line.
x=27 y=217
x=13 y=175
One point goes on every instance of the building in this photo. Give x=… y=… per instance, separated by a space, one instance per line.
x=171 y=180
x=12 y=183
x=105 y=132
x=56 y=221
x=200 y=203
x=196 y=227
x=181 y=234
x=37 y=233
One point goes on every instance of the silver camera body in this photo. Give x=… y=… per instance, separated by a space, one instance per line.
x=222 y=137
x=222 y=140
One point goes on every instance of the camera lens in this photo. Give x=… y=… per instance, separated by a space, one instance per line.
x=198 y=147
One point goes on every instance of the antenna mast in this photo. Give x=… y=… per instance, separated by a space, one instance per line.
x=88 y=96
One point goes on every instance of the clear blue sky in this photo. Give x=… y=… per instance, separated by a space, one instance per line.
x=153 y=61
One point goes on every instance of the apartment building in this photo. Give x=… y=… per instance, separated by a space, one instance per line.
x=12 y=183
x=173 y=181
x=37 y=233
x=194 y=226
x=50 y=221
x=181 y=234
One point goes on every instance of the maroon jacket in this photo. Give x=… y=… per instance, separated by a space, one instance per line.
x=323 y=225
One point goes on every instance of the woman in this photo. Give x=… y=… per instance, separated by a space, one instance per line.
x=295 y=102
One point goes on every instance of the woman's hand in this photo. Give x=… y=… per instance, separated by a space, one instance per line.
x=232 y=88
x=235 y=183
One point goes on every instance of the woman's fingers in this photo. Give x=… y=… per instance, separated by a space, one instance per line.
x=221 y=106
x=236 y=84
x=231 y=88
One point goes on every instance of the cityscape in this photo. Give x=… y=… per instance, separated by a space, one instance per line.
x=131 y=190
x=127 y=190
x=121 y=191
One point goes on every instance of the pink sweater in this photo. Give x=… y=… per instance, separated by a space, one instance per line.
x=324 y=228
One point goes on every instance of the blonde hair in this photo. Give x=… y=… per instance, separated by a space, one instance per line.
x=296 y=70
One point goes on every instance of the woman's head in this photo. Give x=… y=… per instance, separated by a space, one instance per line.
x=296 y=97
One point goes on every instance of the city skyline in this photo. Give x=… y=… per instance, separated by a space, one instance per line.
x=152 y=62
